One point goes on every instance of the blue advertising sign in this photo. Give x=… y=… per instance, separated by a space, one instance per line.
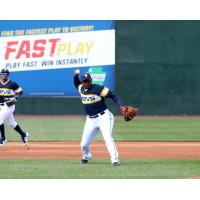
x=42 y=55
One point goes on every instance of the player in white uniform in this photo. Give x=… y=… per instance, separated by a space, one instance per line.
x=9 y=92
x=98 y=116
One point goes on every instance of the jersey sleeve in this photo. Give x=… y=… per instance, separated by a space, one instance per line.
x=17 y=90
x=115 y=98
x=76 y=81
x=15 y=86
x=107 y=93
x=103 y=91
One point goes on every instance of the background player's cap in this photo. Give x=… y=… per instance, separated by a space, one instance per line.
x=5 y=71
x=85 y=76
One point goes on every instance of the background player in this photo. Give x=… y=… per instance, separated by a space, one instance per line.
x=9 y=92
x=98 y=116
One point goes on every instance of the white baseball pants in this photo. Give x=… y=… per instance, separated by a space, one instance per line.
x=104 y=123
x=6 y=114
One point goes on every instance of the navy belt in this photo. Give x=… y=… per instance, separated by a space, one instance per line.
x=1 y=104
x=95 y=116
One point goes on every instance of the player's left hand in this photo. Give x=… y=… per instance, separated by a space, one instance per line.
x=128 y=112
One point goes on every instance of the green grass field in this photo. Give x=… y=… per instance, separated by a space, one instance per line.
x=140 y=129
x=99 y=169
x=70 y=129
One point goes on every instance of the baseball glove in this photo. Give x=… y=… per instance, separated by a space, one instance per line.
x=10 y=101
x=128 y=112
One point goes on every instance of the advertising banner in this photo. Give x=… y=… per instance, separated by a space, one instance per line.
x=42 y=55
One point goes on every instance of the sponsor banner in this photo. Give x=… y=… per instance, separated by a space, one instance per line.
x=54 y=51
x=42 y=55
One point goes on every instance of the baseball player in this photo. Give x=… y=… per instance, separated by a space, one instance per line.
x=98 y=116
x=9 y=92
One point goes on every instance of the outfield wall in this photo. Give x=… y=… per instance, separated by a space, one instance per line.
x=157 y=69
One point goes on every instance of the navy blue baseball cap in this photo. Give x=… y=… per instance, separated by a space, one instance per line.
x=85 y=76
x=5 y=71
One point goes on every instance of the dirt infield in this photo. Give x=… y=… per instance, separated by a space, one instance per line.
x=62 y=150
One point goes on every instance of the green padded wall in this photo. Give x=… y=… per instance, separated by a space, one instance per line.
x=158 y=66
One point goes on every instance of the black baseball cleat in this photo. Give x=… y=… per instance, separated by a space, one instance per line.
x=116 y=164
x=84 y=161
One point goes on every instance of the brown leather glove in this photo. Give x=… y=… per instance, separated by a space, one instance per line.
x=128 y=112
